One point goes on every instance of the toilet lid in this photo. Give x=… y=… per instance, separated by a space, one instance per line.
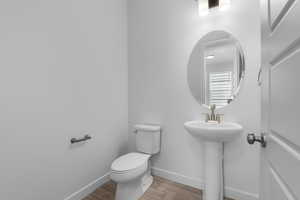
x=130 y=161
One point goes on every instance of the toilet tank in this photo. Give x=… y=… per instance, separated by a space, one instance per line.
x=148 y=138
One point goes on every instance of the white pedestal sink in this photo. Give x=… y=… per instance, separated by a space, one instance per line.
x=215 y=135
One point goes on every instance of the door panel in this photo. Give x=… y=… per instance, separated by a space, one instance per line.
x=284 y=97
x=277 y=189
x=278 y=10
x=284 y=161
x=285 y=34
x=280 y=166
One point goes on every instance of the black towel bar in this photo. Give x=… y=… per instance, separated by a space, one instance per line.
x=85 y=138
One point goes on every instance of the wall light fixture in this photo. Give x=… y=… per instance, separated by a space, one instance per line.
x=205 y=6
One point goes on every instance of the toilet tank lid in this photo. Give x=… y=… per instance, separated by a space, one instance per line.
x=147 y=127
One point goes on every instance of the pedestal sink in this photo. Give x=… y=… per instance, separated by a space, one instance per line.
x=214 y=134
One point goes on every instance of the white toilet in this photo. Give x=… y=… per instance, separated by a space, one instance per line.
x=132 y=172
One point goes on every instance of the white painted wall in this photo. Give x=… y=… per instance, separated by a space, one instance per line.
x=63 y=72
x=162 y=35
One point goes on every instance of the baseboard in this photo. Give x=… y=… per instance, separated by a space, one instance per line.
x=178 y=178
x=198 y=183
x=89 y=188
x=240 y=195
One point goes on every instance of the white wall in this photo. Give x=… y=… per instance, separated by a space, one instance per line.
x=63 y=72
x=162 y=35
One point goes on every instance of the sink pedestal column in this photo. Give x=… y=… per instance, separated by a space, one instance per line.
x=213 y=171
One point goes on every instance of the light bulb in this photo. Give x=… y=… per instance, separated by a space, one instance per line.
x=203 y=7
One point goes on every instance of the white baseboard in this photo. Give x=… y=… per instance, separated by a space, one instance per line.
x=197 y=183
x=89 y=188
x=178 y=178
x=240 y=195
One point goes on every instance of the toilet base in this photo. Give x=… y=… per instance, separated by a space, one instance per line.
x=134 y=189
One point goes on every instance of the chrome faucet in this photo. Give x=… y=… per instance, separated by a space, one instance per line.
x=212 y=109
x=213 y=116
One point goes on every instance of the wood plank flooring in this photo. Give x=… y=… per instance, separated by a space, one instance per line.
x=161 y=189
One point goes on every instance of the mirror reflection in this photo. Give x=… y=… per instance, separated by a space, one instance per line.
x=216 y=69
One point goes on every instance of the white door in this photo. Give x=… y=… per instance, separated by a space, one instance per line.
x=280 y=166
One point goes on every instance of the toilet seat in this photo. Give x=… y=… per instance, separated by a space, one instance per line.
x=129 y=166
x=130 y=161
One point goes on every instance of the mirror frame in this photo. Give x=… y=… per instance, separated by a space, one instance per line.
x=243 y=67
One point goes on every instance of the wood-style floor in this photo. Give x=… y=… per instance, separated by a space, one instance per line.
x=161 y=189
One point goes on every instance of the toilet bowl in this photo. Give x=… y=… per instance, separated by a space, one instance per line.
x=132 y=172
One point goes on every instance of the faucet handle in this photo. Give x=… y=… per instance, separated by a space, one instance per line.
x=219 y=118
x=206 y=116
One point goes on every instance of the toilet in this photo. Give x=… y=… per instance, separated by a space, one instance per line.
x=132 y=172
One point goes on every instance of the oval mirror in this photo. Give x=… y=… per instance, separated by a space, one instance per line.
x=216 y=69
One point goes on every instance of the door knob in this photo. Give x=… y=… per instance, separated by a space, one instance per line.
x=252 y=138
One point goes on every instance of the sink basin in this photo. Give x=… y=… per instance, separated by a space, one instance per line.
x=214 y=135
x=214 y=131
